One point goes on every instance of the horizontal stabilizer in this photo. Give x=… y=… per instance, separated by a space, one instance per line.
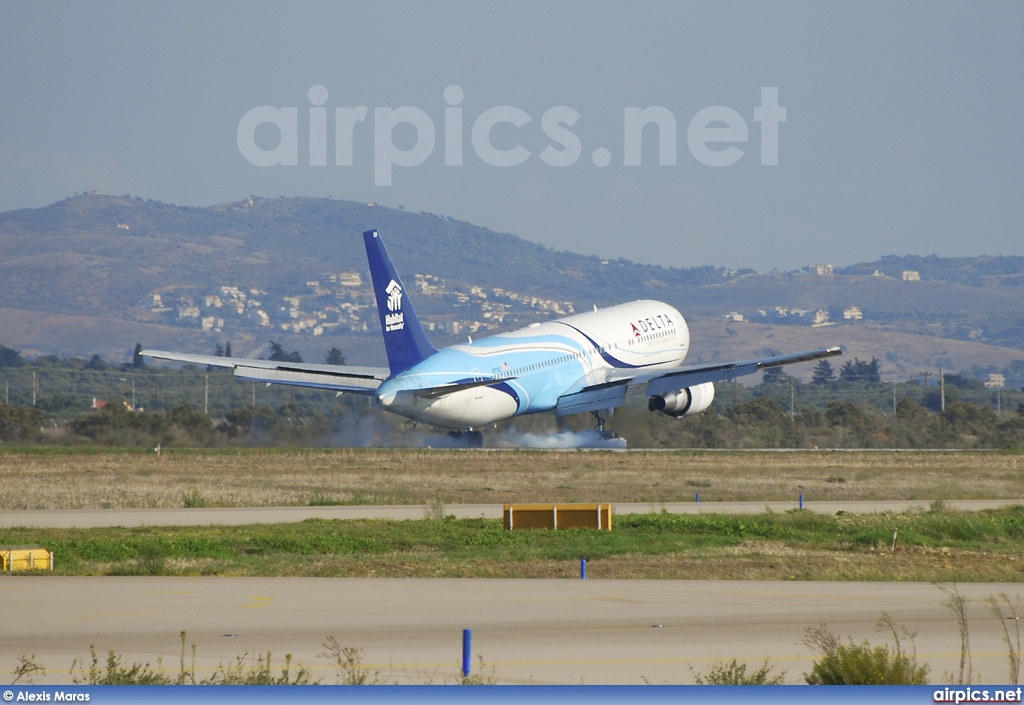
x=319 y=380
x=344 y=378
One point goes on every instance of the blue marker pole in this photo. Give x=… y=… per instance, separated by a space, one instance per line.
x=467 y=651
x=696 y=496
x=801 y=500
x=583 y=568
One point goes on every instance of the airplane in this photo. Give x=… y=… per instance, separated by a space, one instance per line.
x=581 y=363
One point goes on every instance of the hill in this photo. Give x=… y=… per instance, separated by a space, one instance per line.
x=96 y=274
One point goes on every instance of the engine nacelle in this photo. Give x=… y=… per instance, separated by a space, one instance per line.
x=684 y=402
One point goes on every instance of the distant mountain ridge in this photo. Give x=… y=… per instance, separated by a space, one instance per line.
x=97 y=273
x=972 y=271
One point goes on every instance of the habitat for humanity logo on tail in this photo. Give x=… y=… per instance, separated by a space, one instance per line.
x=396 y=319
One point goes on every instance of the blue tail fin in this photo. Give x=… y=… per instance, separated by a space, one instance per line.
x=404 y=339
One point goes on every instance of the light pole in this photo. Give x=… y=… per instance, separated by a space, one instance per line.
x=942 y=388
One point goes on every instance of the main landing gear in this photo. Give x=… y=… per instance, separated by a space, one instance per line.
x=466 y=439
x=605 y=434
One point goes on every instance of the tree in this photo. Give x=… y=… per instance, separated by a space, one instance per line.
x=857 y=370
x=227 y=349
x=278 y=354
x=335 y=357
x=19 y=424
x=217 y=352
x=9 y=357
x=823 y=373
x=138 y=362
x=253 y=420
x=96 y=363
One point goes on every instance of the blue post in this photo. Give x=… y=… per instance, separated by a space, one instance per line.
x=583 y=568
x=467 y=651
x=801 y=500
x=696 y=496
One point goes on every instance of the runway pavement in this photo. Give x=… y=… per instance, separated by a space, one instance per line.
x=88 y=518
x=527 y=631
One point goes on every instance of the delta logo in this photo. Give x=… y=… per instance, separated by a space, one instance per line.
x=651 y=324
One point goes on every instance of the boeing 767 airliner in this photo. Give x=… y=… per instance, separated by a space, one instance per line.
x=581 y=363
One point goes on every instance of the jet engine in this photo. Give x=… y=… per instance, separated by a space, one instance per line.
x=684 y=402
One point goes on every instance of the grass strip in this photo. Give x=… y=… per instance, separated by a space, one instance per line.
x=931 y=546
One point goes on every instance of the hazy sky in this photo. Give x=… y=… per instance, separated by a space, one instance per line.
x=902 y=130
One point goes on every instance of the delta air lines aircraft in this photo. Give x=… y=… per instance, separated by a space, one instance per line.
x=581 y=363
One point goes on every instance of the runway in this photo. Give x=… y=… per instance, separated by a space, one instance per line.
x=91 y=518
x=526 y=631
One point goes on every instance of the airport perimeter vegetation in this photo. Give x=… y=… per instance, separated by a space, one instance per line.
x=938 y=544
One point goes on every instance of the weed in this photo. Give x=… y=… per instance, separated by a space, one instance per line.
x=957 y=605
x=152 y=558
x=861 y=664
x=735 y=673
x=483 y=676
x=1012 y=644
x=193 y=499
x=259 y=673
x=114 y=672
x=435 y=512
x=27 y=669
x=349 y=661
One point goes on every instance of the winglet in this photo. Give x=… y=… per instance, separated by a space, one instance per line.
x=404 y=338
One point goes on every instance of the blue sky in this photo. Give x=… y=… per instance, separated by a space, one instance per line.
x=901 y=133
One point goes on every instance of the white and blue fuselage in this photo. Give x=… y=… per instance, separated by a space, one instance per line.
x=531 y=368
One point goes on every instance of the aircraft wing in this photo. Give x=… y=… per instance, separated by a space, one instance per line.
x=595 y=395
x=341 y=378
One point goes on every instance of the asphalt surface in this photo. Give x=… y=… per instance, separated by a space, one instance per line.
x=526 y=631
x=90 y=518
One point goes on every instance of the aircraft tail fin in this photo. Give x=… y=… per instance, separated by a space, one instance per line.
x=404 y=338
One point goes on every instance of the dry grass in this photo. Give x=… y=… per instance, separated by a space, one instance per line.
x=774 y=561
x=754 y=560
x=260 y=477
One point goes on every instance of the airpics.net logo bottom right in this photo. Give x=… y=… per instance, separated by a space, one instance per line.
x=712 y=134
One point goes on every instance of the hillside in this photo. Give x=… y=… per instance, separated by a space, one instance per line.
x=96 y=274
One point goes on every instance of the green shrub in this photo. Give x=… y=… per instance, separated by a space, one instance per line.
x=735 y=673
x=861 y=664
